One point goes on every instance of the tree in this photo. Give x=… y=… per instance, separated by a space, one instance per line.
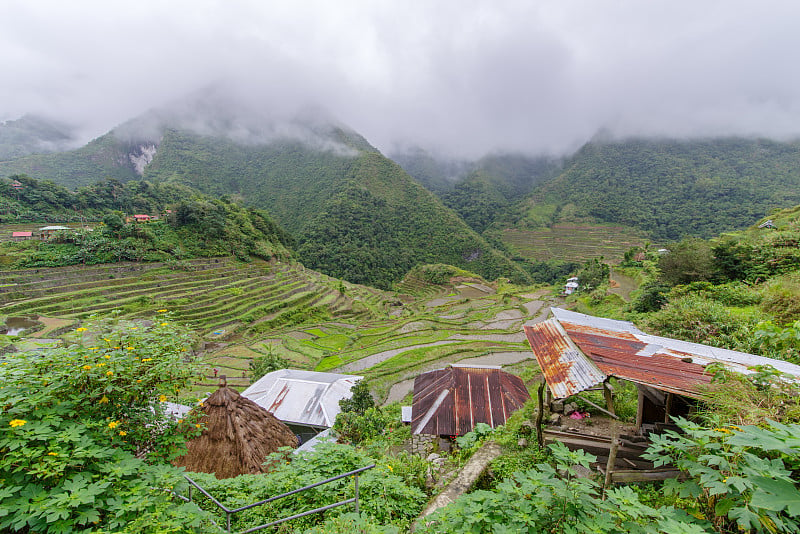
x=361 y=400
x=593 y=274
x=690 y=260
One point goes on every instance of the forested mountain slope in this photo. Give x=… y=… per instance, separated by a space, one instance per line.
x=304 y=171
x=356 y=214
x=669 y=188
x=480 y=191
x=31 y=135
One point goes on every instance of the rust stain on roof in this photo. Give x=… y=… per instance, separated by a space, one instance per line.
x=576 y=351
x=452 y=401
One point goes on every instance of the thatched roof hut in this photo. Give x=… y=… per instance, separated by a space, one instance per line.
x=238 y=436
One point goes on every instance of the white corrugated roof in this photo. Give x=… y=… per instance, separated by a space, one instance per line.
x=302 y=397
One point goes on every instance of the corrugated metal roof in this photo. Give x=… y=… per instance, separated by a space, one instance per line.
x=452 y=401
x=618 y=348
x=302 y=397
x=566 y=369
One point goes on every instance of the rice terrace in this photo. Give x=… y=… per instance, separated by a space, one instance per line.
x=243 y=310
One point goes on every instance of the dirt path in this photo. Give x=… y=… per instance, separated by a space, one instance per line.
x=375 y=359
x=465 y=479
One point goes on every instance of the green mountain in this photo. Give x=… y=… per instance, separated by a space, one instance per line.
x=481 y=191
x=33 y=135
x=669 y=188
x=355 y=214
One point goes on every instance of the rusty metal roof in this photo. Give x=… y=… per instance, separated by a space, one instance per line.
x=453 y=400
x=566 y=369
x=571 y=346
x=305 y=398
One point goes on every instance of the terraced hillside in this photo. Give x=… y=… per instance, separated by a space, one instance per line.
x=241 y=311
x=572 y=242
x=213 y=295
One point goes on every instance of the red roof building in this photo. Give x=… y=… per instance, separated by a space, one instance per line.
x=451 y=401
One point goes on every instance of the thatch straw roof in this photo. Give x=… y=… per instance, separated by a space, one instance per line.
x=238 y=436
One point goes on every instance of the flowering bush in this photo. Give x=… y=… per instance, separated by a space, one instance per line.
x=82 y=431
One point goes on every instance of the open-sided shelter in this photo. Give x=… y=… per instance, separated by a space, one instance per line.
x=238 y=436
x=577 y=351
x=451 y=401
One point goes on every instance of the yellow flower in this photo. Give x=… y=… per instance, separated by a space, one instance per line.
x=104 y=400
x=123 y=433
x=113 y=424
x=101 y=364
x=164 y=324
x=109 y=373
x=106 y=340
x=134 y=327
x=162 y=311
x=52 y=454
x=390 y=468
x=17 y=422
x=117 y=347
x=129 y=348
x=147 y=359
x=162 y=398
x=197 y=425
x=107 y=356
x=137 y=381
x=87 y=367
x=80 y=329
x=93 y=348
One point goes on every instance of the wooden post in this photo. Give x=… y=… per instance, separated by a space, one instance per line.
x=540 y=415
x=640 y=408
x=608 y=396
x=612 y=459
x=668 y=407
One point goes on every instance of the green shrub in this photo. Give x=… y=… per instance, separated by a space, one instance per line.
x=83 y=434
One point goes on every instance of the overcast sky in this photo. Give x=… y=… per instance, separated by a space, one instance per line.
x=462 y=76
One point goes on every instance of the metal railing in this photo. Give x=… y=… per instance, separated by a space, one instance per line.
x=230 y=512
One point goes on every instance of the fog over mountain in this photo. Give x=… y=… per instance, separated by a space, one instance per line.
x=460 y=77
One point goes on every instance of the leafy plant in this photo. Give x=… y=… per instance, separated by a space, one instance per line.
x=83 y=433
x=738 y=478
x=552 y=498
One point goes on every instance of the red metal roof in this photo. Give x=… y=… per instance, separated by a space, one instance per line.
x=452 y=401
x=572 y=345
x=21 y=234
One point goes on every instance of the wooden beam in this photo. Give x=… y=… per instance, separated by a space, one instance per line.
x=587 y=401
x=668 y=407
x=625 y=476
x=612 y=459
x=608 y=396
x=639 y=407
x=540 y=415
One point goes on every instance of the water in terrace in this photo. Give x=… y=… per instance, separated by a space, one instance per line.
x=15 y=325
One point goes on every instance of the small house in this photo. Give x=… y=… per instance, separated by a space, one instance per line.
x=46 y=232
x=306 y=401
x=142 y=218
x=571 y=286
x=21 y=236
x=451 y=401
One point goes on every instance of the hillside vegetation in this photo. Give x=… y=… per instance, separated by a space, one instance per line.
x=671 y=189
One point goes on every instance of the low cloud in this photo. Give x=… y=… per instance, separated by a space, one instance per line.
x=464 y=77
